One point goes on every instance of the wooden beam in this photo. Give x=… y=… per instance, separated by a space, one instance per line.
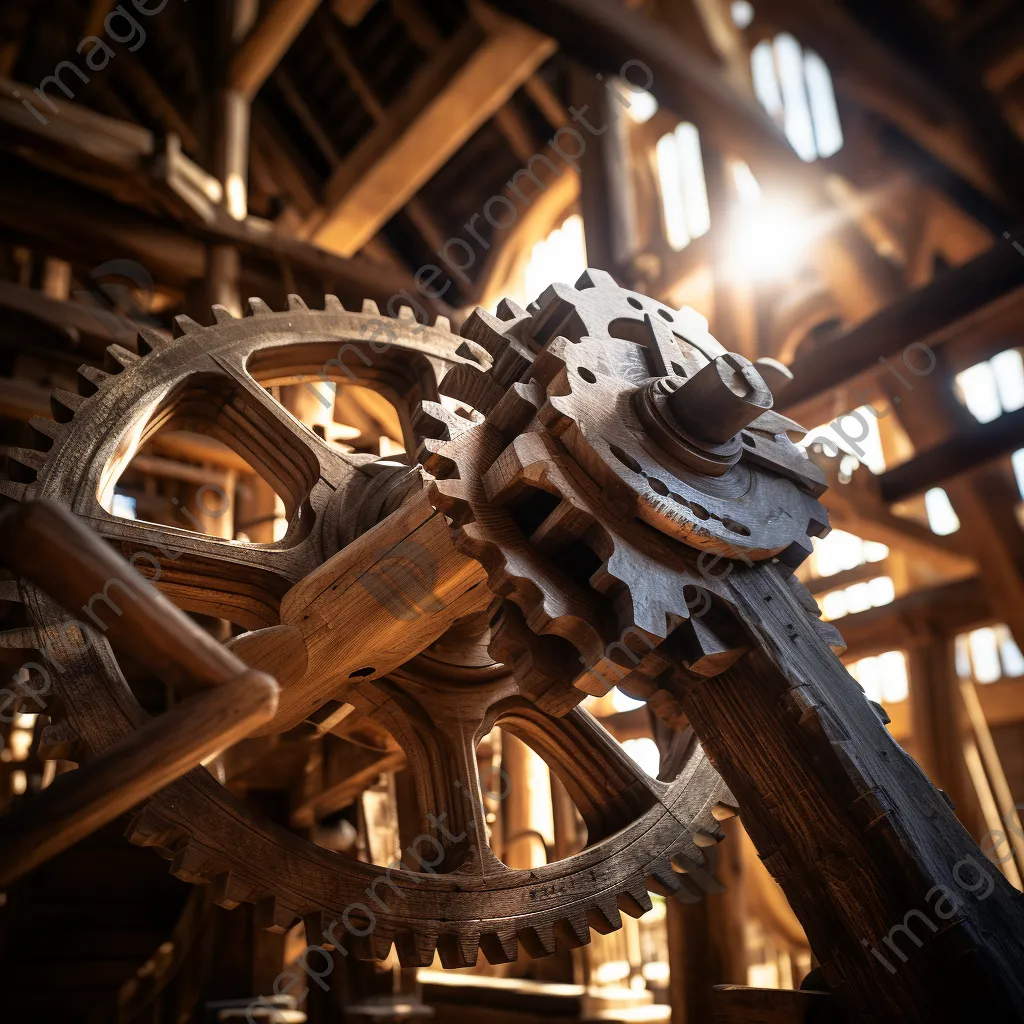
x=458 y=91
x=351 y=12
x=977 y=446
x=954 y=302
x=268 y=42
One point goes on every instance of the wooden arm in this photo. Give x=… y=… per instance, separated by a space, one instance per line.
x=48 y=546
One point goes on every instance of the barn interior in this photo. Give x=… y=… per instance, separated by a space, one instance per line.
x=831 y=189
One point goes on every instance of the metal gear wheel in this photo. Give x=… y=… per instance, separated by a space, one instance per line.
x=644 y=834
x=630 y=431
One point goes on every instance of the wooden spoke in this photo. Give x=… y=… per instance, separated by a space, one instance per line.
x=608 y=787
x=439 y=732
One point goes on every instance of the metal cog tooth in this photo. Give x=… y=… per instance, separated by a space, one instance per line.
x=64 y=405
x=458 y=950
x=45 y=432
x=332 y=304
x=442 y=323
x=59 y=741
x=118 y=358
x=222 y=314
x=23 y=464
x=296 y=303
x=151 y=340
x=259 y=307
x=187 y=325
x=370 y=308
x=13 y=491
x=90 y=380
x=10 y=591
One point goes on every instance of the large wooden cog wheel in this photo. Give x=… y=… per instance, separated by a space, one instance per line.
x=644 y=834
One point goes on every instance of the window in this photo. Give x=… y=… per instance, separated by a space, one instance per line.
x=883 y=678
x=645 y=753
x=988 y=654
x=840 y=551
x=993 y=387
x=858 y=597
x=562 y=256
x=795 y=88
x=684 y=193
x=942 y=517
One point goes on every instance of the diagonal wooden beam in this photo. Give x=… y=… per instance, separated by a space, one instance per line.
x=463 y=87
x=268 y=42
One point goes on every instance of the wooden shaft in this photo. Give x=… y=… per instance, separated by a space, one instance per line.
x=910 y=920
x=47 y=545
x=166 y=747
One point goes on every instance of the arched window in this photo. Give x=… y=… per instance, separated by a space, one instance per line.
x=795 y=88
x=562 y=256
x=684 y=192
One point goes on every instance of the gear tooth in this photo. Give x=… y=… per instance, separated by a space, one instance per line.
x=10 y=591
x=458 y=951
x=726 y=809
x=604 y=916
x=538 y=941
x=332 y=304
x=273 y=915
x=151 y=340
x=704 y=838
x=13 y=490
x=118 y=359
x=64 y=405
x=406 y=313
x=662 y=878
x=189 y=864
x=47 y=431
x=593 y=278
x=297 y=304
x=229 y=891
x=634 y=899
x=473 y=386
x=374 y=945
x=317 y=926
x=830 y=635
x=23 y=464
x=370 y=308
x=259 y=307
x=442 y=323
x=704 y=653
x=501 y=946
x=145 y=830
x=186 y=324
x=222 y=314
x=90 y=380
x=415 y=949
x=572 y=931
x=59 y=741
x=698 y=872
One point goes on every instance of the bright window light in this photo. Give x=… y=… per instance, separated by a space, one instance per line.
x=942 y=517
x=642 y=104
x=562 y=256
x=858 y=435
x=875 y=552
x=828 y=132
x=837 y=552
x=984 y=648
x=1017 y=460
x=988 y=654
x=796 y=90
x=1008 y=368
x=645 y=752
x=747 y=186
x=742 y=13
x=858 y=597
x=882 y=590
x=883 y=678
x=979 y=392
x=684 y=192
x=1009 y=653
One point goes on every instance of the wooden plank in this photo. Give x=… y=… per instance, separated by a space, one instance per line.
x=459 y=90
x=737 y=1004
x=268 y=42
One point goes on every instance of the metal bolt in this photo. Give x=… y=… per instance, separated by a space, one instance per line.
x=722 y=398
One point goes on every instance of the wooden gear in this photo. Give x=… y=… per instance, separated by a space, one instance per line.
x=609 y=501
